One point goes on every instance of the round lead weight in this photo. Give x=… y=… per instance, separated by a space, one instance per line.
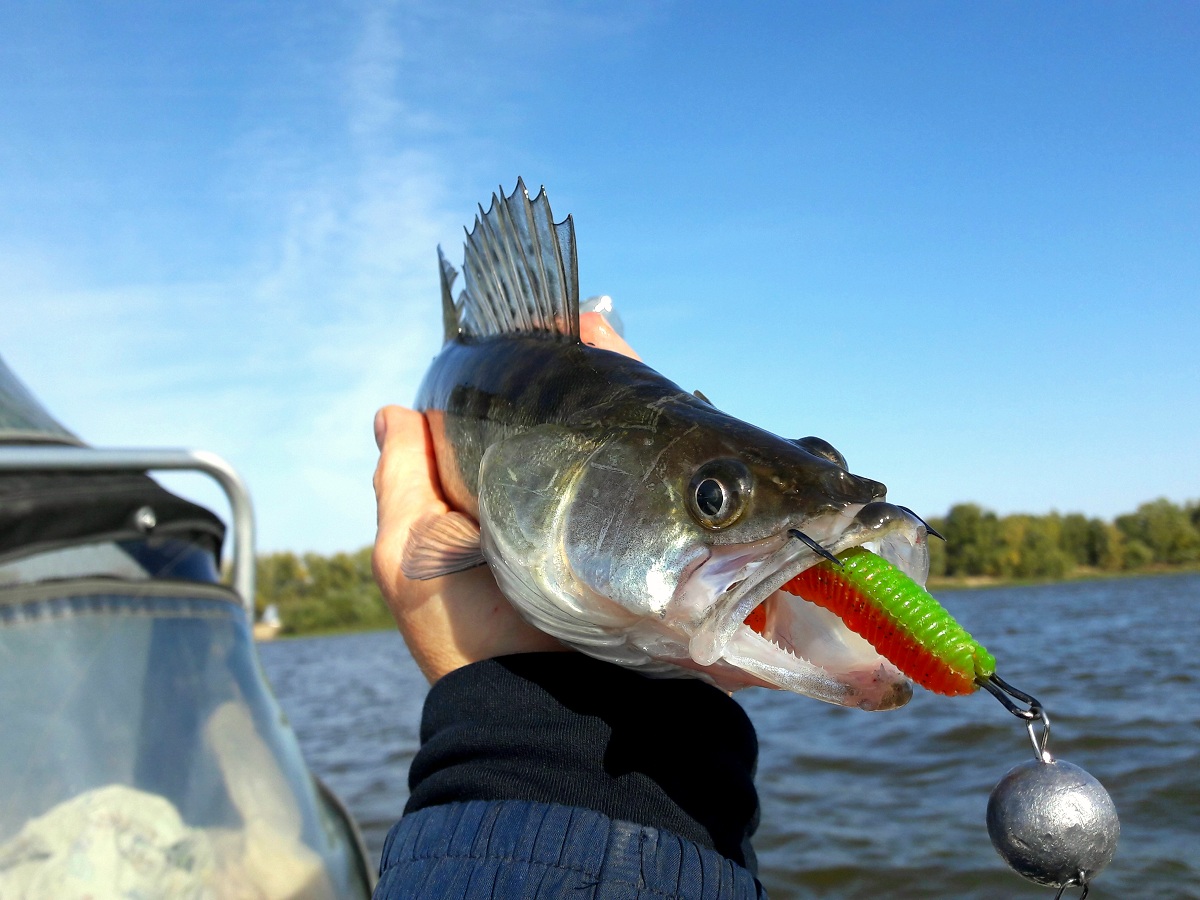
x=1053 y=822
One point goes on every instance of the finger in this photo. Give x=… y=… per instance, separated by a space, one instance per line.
x=406 y=485
x=595 y=331
x=380 y=427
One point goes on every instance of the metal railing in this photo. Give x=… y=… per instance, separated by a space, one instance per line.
x=89 y=459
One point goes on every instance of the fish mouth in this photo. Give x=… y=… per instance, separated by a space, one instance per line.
x=796 y=645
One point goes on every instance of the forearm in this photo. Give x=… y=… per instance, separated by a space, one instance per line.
x=562 y=728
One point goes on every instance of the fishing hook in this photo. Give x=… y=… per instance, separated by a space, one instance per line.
x=814 y=546
x=929 y=529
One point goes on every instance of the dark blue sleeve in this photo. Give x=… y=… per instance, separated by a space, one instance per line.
x=554 y=774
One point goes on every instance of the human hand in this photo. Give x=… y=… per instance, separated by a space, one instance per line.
x=453 y=620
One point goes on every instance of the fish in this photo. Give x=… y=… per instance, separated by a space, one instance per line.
x=633 y=520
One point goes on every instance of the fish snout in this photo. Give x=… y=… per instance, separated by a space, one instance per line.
x=877 y=489
x=853 y=488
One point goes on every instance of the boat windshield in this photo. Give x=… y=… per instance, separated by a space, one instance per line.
x=141 y=748
x=22 y=418
x=142 y=753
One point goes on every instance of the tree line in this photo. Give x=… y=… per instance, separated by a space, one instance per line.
x=979 y=543
x=327 y=593
x=320 y=593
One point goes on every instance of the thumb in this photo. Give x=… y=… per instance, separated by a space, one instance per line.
x=406 y=482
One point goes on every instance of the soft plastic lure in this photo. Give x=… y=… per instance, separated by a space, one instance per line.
x=899 y=618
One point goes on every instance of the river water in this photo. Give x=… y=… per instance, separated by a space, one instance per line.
x=878 y=805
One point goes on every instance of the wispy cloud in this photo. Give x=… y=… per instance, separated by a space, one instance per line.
x=281 y=365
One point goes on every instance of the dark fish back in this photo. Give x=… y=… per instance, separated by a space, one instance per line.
x=480 y=392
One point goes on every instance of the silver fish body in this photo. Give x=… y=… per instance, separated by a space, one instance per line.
x=623 y=515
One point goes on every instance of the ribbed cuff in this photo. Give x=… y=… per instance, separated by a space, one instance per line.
x=563 y=728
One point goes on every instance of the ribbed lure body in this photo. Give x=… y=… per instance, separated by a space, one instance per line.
x=899 y=618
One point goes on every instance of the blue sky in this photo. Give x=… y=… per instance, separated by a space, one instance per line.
x=959 y=241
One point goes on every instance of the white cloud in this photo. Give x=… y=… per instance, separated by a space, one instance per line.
x=325 y=303
x=280 y=366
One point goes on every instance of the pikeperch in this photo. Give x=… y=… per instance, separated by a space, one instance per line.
x=632 y=519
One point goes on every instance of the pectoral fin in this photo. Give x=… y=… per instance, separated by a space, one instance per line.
x=439 y=545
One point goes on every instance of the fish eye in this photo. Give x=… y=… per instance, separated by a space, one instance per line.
x=718 y=492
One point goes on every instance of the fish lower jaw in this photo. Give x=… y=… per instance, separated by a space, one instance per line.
x=869 y=683
x=793 y=644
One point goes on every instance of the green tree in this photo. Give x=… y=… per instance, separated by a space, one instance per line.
x=1031 y=547
x=1106 y=545
x=1076 y=539
x=1192 y=508
x=280 y=578
x=937 y=550
x=972 y=541
x=1136 y=555
x=316 y=592
x=1166 y=529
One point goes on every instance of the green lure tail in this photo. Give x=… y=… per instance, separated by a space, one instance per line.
x=899 y=618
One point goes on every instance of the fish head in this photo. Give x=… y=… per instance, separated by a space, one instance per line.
x=650 y=543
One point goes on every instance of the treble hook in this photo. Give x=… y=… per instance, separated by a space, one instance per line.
x=1032 y=713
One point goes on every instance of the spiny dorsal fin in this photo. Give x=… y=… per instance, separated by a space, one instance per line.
x=449 y=310
x=520 y=270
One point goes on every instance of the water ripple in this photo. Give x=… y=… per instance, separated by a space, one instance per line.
x=883 y=804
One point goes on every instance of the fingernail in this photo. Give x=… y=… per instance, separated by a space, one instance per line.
x=380 y=428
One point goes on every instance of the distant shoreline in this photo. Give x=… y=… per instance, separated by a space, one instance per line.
x=968 y=583
x=335 y=632
x=982 y=582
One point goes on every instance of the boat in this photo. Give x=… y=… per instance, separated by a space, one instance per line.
x=269 y=624
x=142 y=752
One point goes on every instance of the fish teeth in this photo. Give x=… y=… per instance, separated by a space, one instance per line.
x=778 y=646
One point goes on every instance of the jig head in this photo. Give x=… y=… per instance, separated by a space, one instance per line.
x=1051 y=821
